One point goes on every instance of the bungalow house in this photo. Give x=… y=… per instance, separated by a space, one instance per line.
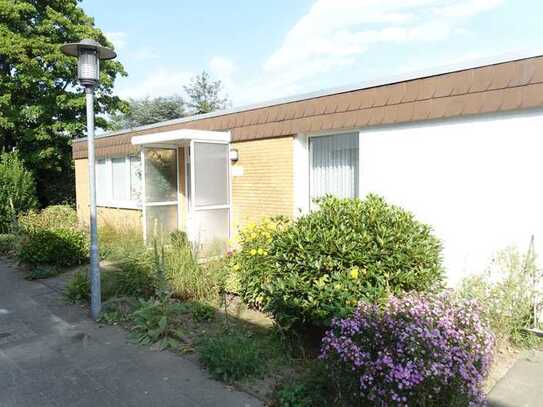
x=462 y=148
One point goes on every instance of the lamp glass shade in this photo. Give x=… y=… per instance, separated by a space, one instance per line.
x=88 y=68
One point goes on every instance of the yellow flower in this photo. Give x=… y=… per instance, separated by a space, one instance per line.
x=260 y=251
x=253 y=252
x=354 y=273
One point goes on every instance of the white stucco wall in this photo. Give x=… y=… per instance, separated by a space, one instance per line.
x=477 y=181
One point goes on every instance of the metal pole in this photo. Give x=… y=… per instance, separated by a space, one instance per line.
x=96 y=302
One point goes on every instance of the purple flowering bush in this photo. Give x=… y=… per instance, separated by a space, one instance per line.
x=417 y=350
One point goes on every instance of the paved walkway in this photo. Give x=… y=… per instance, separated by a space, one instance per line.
x=52 y=354
x=522 y=386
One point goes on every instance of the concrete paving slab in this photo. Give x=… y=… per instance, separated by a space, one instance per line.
x=522 y=386
x=52 y=354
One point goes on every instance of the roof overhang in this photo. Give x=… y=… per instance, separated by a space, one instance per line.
x=182 y=137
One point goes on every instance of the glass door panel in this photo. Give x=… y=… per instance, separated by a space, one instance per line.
x=160 y=206
x=210 y=195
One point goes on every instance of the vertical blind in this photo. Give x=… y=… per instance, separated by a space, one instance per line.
x=118 y=181
x=334 y=165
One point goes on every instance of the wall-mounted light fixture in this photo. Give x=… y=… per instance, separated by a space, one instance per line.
x=234 y=155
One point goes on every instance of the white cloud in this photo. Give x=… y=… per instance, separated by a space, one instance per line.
x=117 y=38
x=468 y=8
x=335 y=33
x=159 y=82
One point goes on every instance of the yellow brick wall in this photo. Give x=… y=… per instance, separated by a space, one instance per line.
x=267 y=184
x=114 y=216
x=264 y=189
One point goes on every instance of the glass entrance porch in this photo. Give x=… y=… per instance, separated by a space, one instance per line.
x=186 y=184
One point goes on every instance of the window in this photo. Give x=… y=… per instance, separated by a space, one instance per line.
x=118 y=182
x=333 y=162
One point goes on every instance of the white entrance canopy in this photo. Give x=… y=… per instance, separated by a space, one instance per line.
x=182 y=136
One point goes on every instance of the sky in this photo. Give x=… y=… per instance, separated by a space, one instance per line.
x=262 y=50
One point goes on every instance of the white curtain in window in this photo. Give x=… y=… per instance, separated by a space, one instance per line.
x=135 y=179
x=334 y=165
x=121 y=179
x=103 y=182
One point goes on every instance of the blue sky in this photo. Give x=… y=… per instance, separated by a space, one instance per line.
x=267 y=49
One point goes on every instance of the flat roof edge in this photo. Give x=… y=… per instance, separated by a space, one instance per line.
x=405 y=77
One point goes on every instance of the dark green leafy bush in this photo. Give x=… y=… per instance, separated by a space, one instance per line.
x=17 y=190
x=319 y=266
x=52 y=237
x=232 y=356
x=61 y=247
x=7 y=243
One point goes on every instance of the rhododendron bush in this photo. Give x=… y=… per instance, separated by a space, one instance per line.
x=309 y=270
x=415 y=350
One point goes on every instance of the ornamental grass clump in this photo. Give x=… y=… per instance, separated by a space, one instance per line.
x=418 y=350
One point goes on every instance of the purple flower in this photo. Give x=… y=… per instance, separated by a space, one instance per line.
x=418 y=347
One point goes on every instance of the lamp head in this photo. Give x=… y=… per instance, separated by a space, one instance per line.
x=89 y=54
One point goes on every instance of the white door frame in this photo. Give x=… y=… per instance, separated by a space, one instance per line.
x=189 y=181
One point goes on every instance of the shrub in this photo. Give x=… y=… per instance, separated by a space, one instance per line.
x=17 y=190
x=417 y=350
x=52 y=217
x=52 y=237
x=7 y=243
x=232 y=356
x=507 y=290
x=61 y=247
x=307 y=271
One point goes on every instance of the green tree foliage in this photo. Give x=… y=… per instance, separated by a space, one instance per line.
x=17 y=190
x=147 y=111
x=41 y=104
x=205 y=95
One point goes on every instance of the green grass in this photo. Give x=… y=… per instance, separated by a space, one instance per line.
x=233 y=356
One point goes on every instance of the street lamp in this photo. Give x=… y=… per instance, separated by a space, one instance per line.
x=89 y=54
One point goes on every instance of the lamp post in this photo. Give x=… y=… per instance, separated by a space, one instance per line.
x=89 y=54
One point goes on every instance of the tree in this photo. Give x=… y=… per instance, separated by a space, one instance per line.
x=17 y=190
x=147 y=111
x=41 y=104
x=205 y=94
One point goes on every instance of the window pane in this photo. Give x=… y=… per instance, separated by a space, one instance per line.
x=135 y=179
x=211 y=225
x=210 y=174
x=121 y=179
x=103 y=184
x=334 y=165
x=161 y=220
x=160 y=175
